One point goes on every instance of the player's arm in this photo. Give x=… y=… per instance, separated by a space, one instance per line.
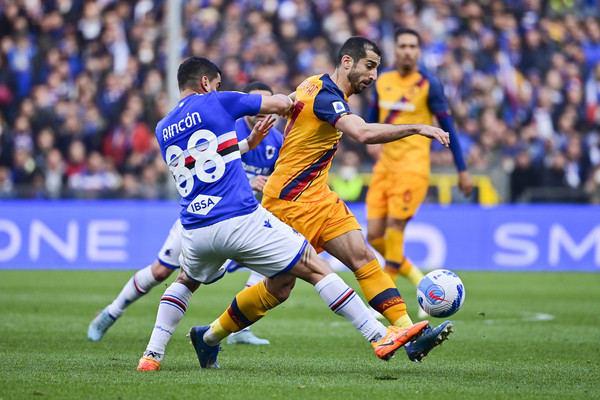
x=465 y=183
x=436 y=100
x=259 y=132
x=279 y=104
x=374 y=150
x=358 y=129
x=258 y=182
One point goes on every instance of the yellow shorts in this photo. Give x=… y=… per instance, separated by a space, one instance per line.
x=318 y=221
x=395 y=195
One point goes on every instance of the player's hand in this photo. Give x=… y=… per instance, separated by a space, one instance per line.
x=375 y=150
x=435 y=133
x=465 y=183
x=258 y=182
x=289 y=111
x=290 y=101
x=260 y=131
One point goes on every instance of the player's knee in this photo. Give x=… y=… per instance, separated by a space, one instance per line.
x=191 y=284
x=163 y=274
x=398 y=224
x=160 y=271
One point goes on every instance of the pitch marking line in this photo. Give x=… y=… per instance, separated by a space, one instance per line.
x=525 y=317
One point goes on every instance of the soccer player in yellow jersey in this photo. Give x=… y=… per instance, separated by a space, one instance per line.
x=297 y=192
x=405 y=95
x=221 y=219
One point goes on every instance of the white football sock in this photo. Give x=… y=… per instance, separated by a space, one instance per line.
x=171 y=309
x=343 y=301
x=136 y=287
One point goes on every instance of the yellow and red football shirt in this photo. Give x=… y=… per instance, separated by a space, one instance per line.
x=413 y=99
x=310 y=142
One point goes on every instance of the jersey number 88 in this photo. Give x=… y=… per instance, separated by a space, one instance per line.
x=209 y=166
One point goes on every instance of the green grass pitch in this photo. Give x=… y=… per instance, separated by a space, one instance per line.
x=518 y=336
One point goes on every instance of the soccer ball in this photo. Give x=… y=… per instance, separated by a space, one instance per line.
x=441 y=293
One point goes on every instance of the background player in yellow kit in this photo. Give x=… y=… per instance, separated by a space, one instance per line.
x=405 y=95
x=297 y=192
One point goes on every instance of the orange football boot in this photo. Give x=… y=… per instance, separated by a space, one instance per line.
x=397 y=337
x=148 y=364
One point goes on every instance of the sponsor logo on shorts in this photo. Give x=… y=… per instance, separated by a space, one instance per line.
x=202 y=204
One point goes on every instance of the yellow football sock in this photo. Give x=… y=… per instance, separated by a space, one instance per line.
x=250 y=305
x=379 y=245
x=381 y=293
x=218 y=330
x=392 y=270
x=394 y=245
x=396 y=263
x=413 y=273
x=404 y=322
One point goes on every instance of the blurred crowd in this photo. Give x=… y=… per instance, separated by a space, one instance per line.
x=83 y=84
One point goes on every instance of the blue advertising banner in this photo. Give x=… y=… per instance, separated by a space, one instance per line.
x=506 y=237
x=83 y=234
x=129 y=234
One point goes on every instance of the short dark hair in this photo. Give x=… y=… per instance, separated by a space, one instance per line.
x=193 y=69
x=407 y=31
x=257 y=85
x=357 y=47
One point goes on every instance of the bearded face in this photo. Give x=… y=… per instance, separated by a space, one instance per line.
x=363 y=72
x=357 y=80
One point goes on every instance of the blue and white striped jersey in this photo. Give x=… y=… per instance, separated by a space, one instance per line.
x=199 y=144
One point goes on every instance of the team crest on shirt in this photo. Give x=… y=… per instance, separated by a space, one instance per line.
x=202 y=204
x=338 y=106
x=270 y=152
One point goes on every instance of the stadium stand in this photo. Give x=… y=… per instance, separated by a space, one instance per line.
x=82 y=85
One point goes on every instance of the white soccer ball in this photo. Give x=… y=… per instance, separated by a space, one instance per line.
x=441 y=293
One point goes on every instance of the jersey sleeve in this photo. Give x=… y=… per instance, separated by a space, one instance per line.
x=437 y=99
x=439 y=106
x=373 y=112
x=240 y=104
x=330 y=106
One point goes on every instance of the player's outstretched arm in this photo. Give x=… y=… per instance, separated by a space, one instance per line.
x=259 y=132
x=279 y=104
x=465 y=183
x=358 y=129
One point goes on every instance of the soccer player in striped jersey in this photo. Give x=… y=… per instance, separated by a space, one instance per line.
x=259 y=146
x=222 y=219
x=298 y=194
x=406 y=94
x=258 y=164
